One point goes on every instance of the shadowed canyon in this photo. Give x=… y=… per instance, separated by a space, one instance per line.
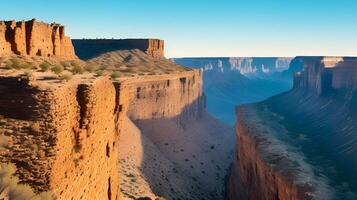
x=114 y=119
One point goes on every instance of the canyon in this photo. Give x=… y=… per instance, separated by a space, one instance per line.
x=300 y=144
x=99 y=137
x=237 y=80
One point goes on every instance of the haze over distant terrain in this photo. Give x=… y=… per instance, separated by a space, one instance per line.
x=229 y=82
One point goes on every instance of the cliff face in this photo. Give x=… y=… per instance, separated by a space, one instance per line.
x=300 y=144
x=248 y=66
x=89 y=48
x=226 y=79
x=59 y=144
x=35 y=38
x=71 y=131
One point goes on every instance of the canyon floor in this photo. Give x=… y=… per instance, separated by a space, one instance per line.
x=178 y=161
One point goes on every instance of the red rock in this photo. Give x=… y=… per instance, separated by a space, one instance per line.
x=35 y=38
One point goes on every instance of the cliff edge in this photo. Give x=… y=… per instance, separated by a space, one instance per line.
x=300 y=144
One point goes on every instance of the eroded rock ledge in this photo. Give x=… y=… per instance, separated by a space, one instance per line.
x=34 y=38
x=63 y=137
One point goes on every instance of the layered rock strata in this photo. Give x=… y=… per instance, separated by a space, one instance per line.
x=301 y=144
x=63 y=137
x=34 y=38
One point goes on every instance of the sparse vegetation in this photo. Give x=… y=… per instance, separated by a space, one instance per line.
x=35 y=127
x=57 y=69
x=29 y=75
x=90 y=68
x=115 y=75
x=10 y=187
x=77 y=69
x=45 y=66
x=99 y=72
x=15 y=63
x=66 y=65
x=66 y=76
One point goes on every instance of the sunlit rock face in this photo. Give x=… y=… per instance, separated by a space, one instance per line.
x=234 y=81
x=302 y=144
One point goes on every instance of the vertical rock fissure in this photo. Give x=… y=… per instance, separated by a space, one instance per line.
x=82 y=103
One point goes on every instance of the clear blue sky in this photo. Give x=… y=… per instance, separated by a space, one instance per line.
x=207 y=27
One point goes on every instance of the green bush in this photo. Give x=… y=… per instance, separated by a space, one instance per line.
x=77 y=69
x=99 y=72
x=90 y=68
x=66 y=65
x=115 y=75
x=66 y=77
x=57 y=69
x=45 y=66
x=26 y=65
x=15 y=63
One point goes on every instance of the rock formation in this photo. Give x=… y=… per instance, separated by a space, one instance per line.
x=34 y=38
x=226 y=79
x=71 y=130
x=89 y=48
x=248 y=66
x=301 y=144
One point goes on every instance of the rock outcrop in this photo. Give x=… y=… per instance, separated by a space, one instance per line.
x=301 y=144
x=90 y=48
x=64 y=138
x=35 y=38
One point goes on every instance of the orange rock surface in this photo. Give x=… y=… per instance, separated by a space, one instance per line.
x=35 y=38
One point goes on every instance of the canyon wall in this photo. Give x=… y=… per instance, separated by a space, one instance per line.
x=63 y=138
x=300 y=144
x=89 y=48
x=67 y=143
x=35 y=38
x=248 y=66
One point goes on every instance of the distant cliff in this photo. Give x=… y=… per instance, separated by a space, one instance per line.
x=234 y=81
x=249 y=66
x=301 y=144
x=35 y=38
x=89 y=48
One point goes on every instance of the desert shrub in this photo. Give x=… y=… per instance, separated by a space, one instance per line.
x=90 y=68
x=66 y=77
x=35 y=127
x=26 y=65
x=65 y=64
x=99 y=72
x=29 y=75
x=15 y=63
x=57 y=69
x=15 y=190
x=45 y=66
x=8 y=65
x=21 y=192
x=115 y=75
x=77 y=69
x=18 y=64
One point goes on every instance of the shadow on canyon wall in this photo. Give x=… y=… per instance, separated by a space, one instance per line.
x=187 y=156
x=229 y=82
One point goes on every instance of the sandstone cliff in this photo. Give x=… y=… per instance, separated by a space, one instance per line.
x=89 y=48
x=72 y=134
x=35 y=38
x=301 y=144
